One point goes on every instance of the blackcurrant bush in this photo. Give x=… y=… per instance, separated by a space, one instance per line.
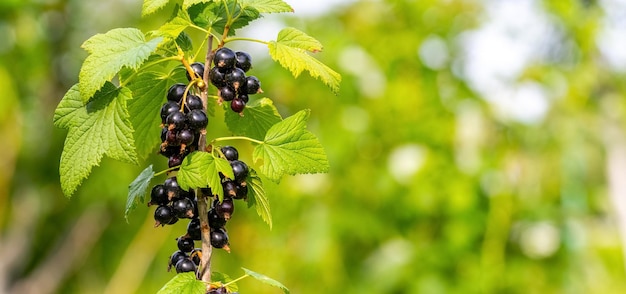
x=185 y=244
x=226 y=208
x=237 y=105
x=158 y=195
x=253 y=85
x=176 y=92
x=192 y=102
x=230 y=153
x=219 y=238
x=176 y=120
x=172 y=188
x=217 y=77
x=215 y=220
x=224 y=58
x=185 y=136
x=183 y=208
x=175 y=258
x=163 y=215
x=198 y=69
x=236 y=79
x=227 y=93
x=240 y=170
x=185 y=265
x=167 y=109
x=193 y=229
x=244 y=61
x=197 y=119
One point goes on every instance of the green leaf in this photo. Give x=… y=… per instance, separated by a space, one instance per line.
x=176 y=25
x=265 y=279
x=268 y=6
x=184 y=283
x=108 y=53
x=258 y=117
x=99 y=127
x=149 y=90
x=184 y=41
x=201 y=170
x=151 y=6
x=289 y=148
x=258 y=197
x=205 y=14
x=189 y=3
x=137 y=190
x=219 y=279
x=289 y=50
x=215 y=15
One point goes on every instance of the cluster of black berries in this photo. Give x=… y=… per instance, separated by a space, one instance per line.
x=229 y=76
x=183 y=119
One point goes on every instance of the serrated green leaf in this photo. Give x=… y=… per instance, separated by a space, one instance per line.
x=184 y=283
x=108 y=53
x=268 y=6
x=99 y=127
x=214 y=15
x=149 y=90
x=265 y=279
x=137 y=190
x=221 y=279
x=201 y=170
x=189 y=3
x=151 y=6
x=205 y=14
x=258 y=117
x=257 y=197
x=176 y=25
x=289 y=50
x=289 y=148
x=184 y=41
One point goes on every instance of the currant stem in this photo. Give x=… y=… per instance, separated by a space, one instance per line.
x=237 y=138
x=231 y=39
x=167 y=170
x=236 y=280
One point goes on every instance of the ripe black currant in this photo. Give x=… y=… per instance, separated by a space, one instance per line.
x=227 y=93
x=197 y=119
x=175 y=258
x=217 y=77
x=219 y=238
x=175 y=160
x=172 y=188
x=193 y=229
x=253 y=85
x=236 y=78
x=185 y=265
x=196 y=255
x=185 y=244
x=215 y=220
x=241 y=191
x=240 y=170
x=230 y=188
x=244 y=97
x=176 y=120
x=224 y=58
x=163 y=134
x=244 y=61
x=237 y=105
x=230 y=153
x=198 y=69
x=163 y=215
x=167 y=109
x=183 y=208
x=158 y=195
x=185 y=136
x=192 y=102
x=176 y=92
x=220 y=290
x=226 y=208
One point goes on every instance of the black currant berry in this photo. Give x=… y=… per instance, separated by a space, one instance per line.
x=206 y=192
x=185 y=136
x=193 y=229
x=192 y=102
x=163 y=134
x=230 y=153
x=158 y=195
x=244 y=61
x=185 y=265
x=176 y=120
x=224 y=58
x=175 y=160
x=230 y=188
x=163 y=215
x=170 y=138
x=241 y=191
x=198 y=69
x=226 y=208
x=176 y=92
x=253 y=85
x=196 y=255
x=215 y=220
x=237 y=105
x=167 y=109
x=183 y=208
x=219 y=238
x=197 y=119
x=220 y=290
x=217 y=77
x=240 y=170
x=244 y=97
x=236 y=78
x=227 y=93
x=185 y=244
x=169 y=151
x=172 y=188
x=175 y=258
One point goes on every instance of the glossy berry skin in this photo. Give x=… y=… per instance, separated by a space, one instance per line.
x=176 y=120
x=192 y=102
x=227 y=93
x=219 y=238
x=236 y=78
x=241 y=192
x=198 y=69
x=237 y=105
x=230 y=188
x=185 y=244
x=215 y=220
x=193 y=229
x=183 y=208
x=167 y=109
x=172 y=188
x=175 y=258
x=221 y=290
x=163 y=215
x=226 y=208
x=230 y=153
x=197 y=119
x=240 y=170
x=195 y=256
x=176 y=92
x=224 y=58
x=185 y=136
x=158 y=195
x=185 y=265
x=244 y=61
x=163 y=134
x=217 y=77
x=243 y=97
x=175 y=160
x=252 y=85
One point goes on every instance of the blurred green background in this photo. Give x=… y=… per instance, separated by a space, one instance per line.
x=475 y=147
